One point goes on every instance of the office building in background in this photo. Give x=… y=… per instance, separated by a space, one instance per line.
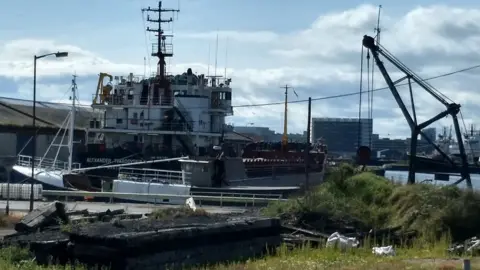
x=342 y=134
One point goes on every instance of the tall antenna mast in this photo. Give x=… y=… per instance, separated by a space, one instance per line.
x=226 y=58
x=163 y=48
x=377 y=34
x=144 y=66
x=216 y=56
x=72 y=124
x=378 y=29
x=209 y=57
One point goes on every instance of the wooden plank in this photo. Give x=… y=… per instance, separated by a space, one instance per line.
x=42 y=216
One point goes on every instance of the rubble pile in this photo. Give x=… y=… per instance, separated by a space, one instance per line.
x=123 y=241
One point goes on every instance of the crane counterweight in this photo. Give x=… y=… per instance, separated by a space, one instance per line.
x=369 y=42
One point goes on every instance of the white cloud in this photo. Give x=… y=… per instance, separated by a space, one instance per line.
x=234 y=36
x=320 y=60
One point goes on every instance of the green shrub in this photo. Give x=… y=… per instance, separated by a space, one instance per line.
x=373 y=201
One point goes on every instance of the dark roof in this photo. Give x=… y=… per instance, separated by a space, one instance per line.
x=18 y=112
x=235 y=136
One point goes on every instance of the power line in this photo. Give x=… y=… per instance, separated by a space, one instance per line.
x=354 y=93
x=85 y=106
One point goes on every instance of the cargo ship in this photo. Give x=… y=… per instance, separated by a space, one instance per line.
x=162 y=124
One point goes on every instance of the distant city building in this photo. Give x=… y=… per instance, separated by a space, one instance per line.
x=268 y=135
x=342 y=134
x=264 y=132
x=388 y=148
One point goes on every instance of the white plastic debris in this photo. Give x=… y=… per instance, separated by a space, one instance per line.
x=342 y=241
x=384 y=251
x=473 y=245
x=190 y=203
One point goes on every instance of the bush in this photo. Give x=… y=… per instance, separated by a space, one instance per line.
x=370 y=201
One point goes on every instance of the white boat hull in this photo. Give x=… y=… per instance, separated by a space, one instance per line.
x=49 y=177
x=125 y=186
x=254 y=184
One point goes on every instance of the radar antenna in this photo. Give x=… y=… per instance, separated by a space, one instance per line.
x=164 y=47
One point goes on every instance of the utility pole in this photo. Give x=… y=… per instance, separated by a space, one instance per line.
x=307 y=146
x=285 y=120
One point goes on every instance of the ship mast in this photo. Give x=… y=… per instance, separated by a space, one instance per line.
x=162 y=48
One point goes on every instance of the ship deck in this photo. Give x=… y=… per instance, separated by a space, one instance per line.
x=249 y=188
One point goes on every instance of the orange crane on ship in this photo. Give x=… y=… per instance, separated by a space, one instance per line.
x=285 y=119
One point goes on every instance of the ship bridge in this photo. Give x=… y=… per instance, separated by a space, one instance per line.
x=190 y=107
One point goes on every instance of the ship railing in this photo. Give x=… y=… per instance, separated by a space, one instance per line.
x=45 y=163
x=221 y=105
x=167 y=49
x=154 y=175
x=130 y=100
x=111 y=123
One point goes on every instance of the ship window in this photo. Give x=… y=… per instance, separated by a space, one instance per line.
x=205 y=168
x=135 y=115
x=135 y=138
x=228 y=95
x=119 y=120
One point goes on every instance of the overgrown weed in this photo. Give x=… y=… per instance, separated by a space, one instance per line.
x=372 y=201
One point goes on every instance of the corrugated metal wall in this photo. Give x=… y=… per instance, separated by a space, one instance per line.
x=13 y=143
x=8 y=142
x=22 y=142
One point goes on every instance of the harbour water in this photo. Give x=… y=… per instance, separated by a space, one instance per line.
x=402 y=176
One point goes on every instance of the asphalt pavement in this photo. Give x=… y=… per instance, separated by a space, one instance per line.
x=24 y=206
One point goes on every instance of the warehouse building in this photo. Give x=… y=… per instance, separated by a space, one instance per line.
x=16 y=126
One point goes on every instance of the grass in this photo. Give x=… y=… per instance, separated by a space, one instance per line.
x=440 y=214
x=370 y=201
x=419 y=257
x=423 y=255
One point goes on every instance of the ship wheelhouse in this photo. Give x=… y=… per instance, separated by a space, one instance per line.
x=134 y=115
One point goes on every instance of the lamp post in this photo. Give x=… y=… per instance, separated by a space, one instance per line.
x=34 y=136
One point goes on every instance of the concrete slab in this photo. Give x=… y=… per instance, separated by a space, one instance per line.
x=23 y=206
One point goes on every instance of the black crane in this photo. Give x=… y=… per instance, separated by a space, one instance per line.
x=452 y=109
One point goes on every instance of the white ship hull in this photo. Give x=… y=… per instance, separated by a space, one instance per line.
x=125 y=186
x=251 y=186
x=49 y=177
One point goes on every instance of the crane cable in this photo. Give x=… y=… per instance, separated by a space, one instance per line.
x=360 y=99
x=354 y=93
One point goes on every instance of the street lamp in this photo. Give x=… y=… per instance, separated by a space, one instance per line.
x=34 y=137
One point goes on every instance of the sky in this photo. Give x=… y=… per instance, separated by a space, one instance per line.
x=313 y=46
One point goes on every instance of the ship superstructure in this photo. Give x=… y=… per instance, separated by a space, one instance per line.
x=164 y=117
x=159 y=116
